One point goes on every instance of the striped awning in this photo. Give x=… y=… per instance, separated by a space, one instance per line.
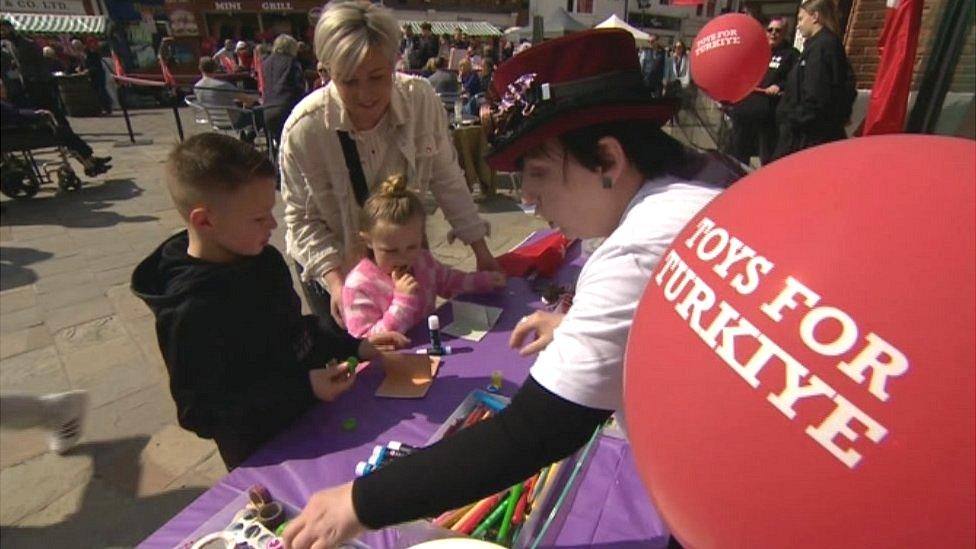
x=471 y=28
x=37 y=23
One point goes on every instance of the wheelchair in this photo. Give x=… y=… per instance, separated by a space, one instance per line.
x=21 y=176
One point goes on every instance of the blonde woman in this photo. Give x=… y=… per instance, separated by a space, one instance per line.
x=367 y=124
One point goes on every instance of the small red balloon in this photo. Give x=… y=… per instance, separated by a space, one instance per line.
x=729 y=57
x=801 y=368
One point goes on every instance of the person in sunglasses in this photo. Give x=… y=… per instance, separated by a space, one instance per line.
x=587 y=138
x=754 y=129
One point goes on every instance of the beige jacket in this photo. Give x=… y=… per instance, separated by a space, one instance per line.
x=321 y=213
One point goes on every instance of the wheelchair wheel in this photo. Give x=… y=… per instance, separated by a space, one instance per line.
x=17 y=180
x=67 y=179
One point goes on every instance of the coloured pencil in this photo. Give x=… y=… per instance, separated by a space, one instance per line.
x=477 y=513
x=513 y=498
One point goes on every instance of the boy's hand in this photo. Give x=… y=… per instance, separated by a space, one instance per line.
x=328 y=384
x=404 y=282
x=382 y=342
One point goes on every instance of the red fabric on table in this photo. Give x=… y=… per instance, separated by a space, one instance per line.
x=543 y=256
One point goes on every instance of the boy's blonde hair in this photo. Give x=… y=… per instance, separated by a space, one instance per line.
x=346 y=31
x=393 y=204
x=211 y=164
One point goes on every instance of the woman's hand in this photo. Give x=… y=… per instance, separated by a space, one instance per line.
x=334 y=282
x=484 y=261
x=544 y=324
x=772 y=90
x=328 y=384
x=327 y=520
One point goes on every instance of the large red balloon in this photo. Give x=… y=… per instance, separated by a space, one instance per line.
x=800 y=372
x=729 y=57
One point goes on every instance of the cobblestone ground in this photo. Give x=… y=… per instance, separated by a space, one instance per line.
x=68 y=320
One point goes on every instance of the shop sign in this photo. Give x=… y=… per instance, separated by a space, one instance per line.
x=276 y=6
x=227 y=6
x=58 y=7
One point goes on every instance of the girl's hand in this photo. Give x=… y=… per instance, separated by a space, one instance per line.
x=382 y=342
x=328 y=384
x=499 y=280
x=543 y=324
x=328 y=519
x=405 y=283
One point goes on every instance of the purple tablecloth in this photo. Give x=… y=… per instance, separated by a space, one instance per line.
x=610 y=509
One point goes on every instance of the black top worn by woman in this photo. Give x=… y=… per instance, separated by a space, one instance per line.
x=819 y=94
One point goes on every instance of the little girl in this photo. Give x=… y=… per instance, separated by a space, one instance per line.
x=395 y=286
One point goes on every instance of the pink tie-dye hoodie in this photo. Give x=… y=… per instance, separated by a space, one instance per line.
x=370 y=304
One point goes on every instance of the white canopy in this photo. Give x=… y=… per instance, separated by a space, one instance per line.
x=614 y=22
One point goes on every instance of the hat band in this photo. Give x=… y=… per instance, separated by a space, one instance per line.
x=524 y=95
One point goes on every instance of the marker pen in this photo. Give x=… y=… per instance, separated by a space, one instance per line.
x=434 y=327
x=363 y=469
x=397 y=446
x=445 y=350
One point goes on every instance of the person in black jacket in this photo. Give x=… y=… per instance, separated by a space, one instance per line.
x=820 y=89
x=754 y=129
x=284 y=84
x=243 y=361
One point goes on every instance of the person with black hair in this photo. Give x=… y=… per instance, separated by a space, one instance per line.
x=610 y=174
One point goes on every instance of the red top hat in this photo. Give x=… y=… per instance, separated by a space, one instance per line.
x=572 y=82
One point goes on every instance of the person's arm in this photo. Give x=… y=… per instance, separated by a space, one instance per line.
x=311 y=241
x=203 y=356
x=451 y=282
x=363 y=317
x=816 y=89
x=447 y=182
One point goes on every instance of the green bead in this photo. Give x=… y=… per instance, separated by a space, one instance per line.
x=349 y=424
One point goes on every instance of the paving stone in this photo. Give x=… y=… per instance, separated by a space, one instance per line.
x=171 y=453
x=24 y=340
x=78 y=313
x=20 y=446
x=140 y=413
x=22 y=319
x=114 y=277
x=83 y=335
x=127 y=305
x=61 y=281
x=36 y=372
x=111 y=384
x=69 y=295
x=17 y=299
x=38 y=482
x=26 y=233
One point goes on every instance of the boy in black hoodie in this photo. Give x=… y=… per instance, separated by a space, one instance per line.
x=243 y=361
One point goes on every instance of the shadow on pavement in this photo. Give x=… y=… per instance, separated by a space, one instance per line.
x=87 y=207
x=100 y=520
x=13 y=266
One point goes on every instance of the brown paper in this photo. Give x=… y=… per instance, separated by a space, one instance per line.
x=407 y=376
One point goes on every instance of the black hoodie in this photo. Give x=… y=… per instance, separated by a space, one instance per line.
x=236 y=345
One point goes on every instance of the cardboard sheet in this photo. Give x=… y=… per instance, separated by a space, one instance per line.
x=472 y=321
x=407 y=375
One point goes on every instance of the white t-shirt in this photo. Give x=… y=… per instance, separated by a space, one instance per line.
x=584 y=363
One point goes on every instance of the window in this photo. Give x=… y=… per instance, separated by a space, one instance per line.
x=582 y=6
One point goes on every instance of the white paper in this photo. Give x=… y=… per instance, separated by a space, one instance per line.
x=472 y=321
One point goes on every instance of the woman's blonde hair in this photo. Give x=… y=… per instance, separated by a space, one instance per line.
x=346 y=31
x=285 y=44
x=393 y=204
x=827 y=10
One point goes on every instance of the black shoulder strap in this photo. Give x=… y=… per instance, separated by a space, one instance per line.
x=354 y=166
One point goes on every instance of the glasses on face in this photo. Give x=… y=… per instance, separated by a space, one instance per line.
x=774 y=30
